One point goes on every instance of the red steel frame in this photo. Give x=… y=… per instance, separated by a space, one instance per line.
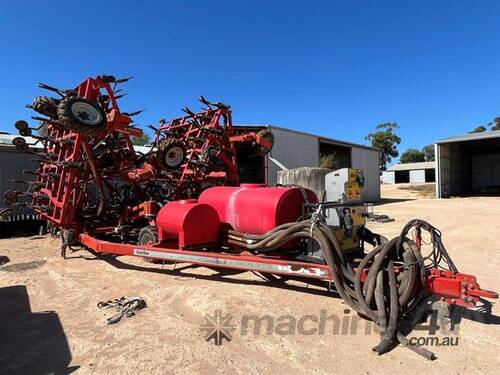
x=70 y=165
x=62 y=177
x=453 y=287
x=195 y=126
x=243 y=261
x=190 y=131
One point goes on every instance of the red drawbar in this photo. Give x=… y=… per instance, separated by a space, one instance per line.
x=456 y=288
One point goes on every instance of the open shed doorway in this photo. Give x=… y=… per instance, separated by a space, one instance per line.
x=430 y=175
x=251 y=166
x=402 y=177
x=470 y=168
x=333 y=156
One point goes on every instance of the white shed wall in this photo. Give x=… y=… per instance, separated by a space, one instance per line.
x=293 y=150
x=417 y=176
x=388 y=177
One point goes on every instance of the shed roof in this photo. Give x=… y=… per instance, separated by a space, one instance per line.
x=471 y=137
x=412 y=166
x=6 y=139
x=320 y=137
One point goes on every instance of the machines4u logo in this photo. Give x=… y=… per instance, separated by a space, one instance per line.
x=218 y=327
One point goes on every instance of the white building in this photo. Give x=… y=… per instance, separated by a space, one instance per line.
x=468 y=164
x=413 y=173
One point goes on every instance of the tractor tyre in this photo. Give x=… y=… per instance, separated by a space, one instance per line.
x=81 y=116
x=46 y=105
x=171 y=153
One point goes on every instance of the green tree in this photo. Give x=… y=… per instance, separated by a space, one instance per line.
x=428 y=152
x=496 y=124
x=386 y=140
x=142 y=140
x=412 y=155
x=479 y=129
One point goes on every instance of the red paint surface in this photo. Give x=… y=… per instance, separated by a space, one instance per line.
x=191 y=222
x=256 y=208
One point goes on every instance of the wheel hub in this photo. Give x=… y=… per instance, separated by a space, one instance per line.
x=86 y=113
x=174 y=156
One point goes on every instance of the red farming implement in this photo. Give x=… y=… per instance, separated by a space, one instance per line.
x=182 y=202
x=199 y=151
x=90 y=178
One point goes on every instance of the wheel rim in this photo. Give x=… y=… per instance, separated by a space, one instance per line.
x=174 y=156
x=86 y=113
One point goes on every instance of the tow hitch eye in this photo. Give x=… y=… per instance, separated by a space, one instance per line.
x=457 y=288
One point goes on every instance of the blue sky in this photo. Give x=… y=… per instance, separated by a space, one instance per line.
x=335 y=68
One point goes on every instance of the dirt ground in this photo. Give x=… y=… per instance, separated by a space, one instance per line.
x=399 y=191
x=50 y=322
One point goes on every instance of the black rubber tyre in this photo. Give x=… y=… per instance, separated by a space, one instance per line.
x=21 y=124
x=46 y=105
x=147 y=235
x=81 y=115
x=208 y=156
x=171 y=153
x=261 y=150
x=20 y=144
x=25 y=132
x=23 y=128
x=9 y=197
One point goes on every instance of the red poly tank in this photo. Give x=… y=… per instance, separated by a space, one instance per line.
x=256 y=208
x=189 y=221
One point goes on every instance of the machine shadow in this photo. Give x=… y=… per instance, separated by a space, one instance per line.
x=392 y=200
x=223 y=276
x=482 y=315
x=4 y=260
x=22 y=228
x=30 y=343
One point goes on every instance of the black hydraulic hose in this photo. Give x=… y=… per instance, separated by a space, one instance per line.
x=438 y=250
x=386 y=284
x=380 y=302
x=390 y=331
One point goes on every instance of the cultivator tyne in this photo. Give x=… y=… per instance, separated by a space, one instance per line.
x=91 y=179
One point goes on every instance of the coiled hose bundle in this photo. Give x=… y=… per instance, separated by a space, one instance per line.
x=387 y=283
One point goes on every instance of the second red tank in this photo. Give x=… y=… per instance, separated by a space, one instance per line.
x=257 y=208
